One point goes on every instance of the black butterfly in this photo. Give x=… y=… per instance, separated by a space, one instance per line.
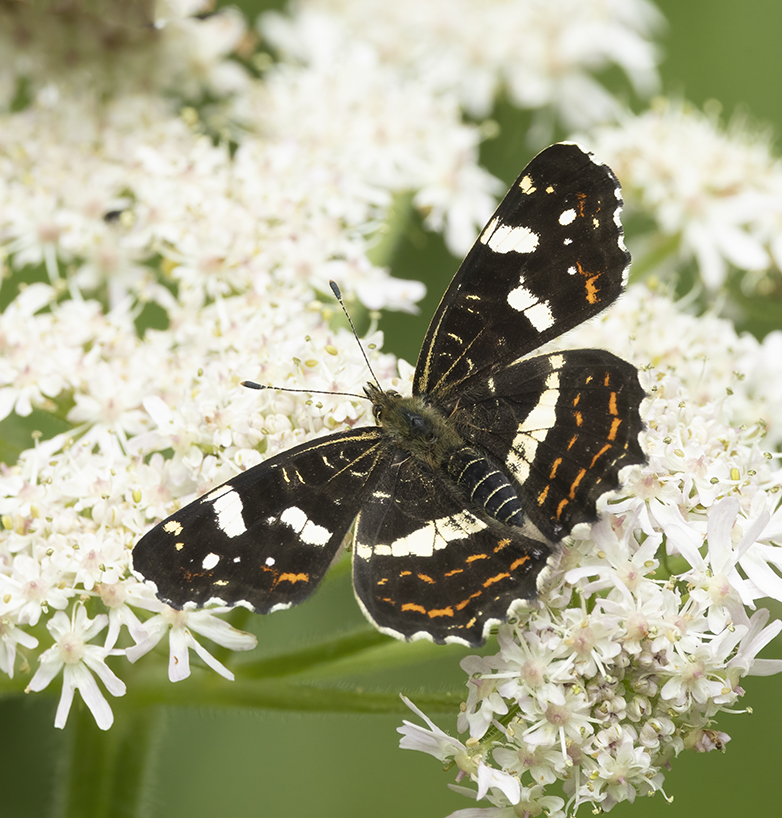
x=460 y=491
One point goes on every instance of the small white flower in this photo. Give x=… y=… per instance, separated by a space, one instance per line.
x=531 y=802
x=12 y=635
x=484 y=701
x=753 y=640
x=180 y=625
x=622 y=773
x=32 y=588
x=556 y=715
x=718 y=586
x=439 y=744
x=543 y=764
x=78 y=661
x=431 y=740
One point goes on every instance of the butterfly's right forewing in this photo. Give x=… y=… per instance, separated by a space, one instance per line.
x=551 y=256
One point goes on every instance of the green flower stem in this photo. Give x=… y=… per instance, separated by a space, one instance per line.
x=364 y=651
x=323 y=679
x=278 y=694
x=103 y=774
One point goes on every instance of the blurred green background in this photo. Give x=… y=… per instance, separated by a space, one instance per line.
x=249 y=764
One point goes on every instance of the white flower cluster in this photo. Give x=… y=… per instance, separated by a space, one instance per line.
x=717 y=193
x=544 y=53
x=100 y=46
x=645 y=627
x=644 y=630
x=72 y=507
x=120 y=201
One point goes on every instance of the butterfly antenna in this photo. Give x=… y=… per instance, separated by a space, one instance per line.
x=255 y=385
x=338 y=295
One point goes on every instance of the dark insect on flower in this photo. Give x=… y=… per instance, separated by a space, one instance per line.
x=461 y=491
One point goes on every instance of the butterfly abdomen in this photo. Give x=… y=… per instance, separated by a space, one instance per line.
x=485 y=485
x=423 y=431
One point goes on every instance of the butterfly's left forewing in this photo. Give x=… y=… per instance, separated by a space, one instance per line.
x=265 y=538
x=562 y=426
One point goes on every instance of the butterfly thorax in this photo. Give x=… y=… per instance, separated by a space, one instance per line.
x=424 y=432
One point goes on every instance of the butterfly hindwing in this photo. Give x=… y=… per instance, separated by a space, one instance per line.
x=265 y=538
x=424 y=564
x=562 y=426
x=551 y=256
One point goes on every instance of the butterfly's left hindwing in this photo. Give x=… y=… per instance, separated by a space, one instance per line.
x=266 y=537
x=424 y=564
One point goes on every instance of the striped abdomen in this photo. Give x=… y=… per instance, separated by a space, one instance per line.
x=485 y=485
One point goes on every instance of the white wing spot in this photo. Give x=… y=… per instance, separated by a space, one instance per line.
x=209 y=561
x=423 y=542
x=540 y=316
x=536 y=311
x=504 y=238
x=309 y=532
x=228 y=507
x=535 y=427
x=270 y=561
x=567 y=216
x=172 y=527
x=526 y=184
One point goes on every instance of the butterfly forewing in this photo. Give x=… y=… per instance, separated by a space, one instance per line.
x=551 y=256
x=266 y=537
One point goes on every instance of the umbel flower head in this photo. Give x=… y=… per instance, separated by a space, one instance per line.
x=651 y=617
x=714 y=194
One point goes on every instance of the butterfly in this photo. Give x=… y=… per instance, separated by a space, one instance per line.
x=461 y=492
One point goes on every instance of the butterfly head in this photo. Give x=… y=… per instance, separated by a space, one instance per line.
x=414 y=425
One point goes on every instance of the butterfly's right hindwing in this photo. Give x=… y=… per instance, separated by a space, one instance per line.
x=265 y=538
